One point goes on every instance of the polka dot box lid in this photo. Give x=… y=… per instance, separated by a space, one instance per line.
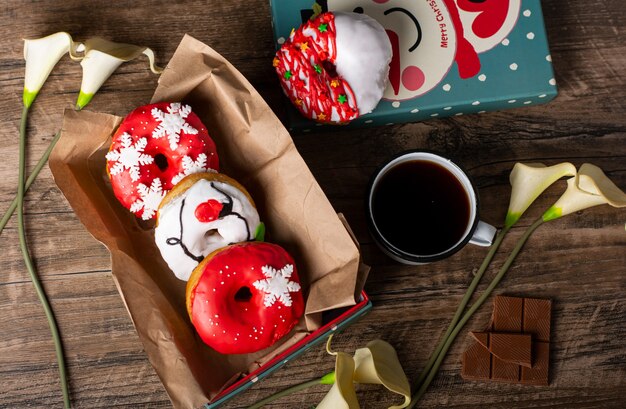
x=451 y=57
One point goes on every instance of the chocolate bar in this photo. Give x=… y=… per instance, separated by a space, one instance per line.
x=515 y=347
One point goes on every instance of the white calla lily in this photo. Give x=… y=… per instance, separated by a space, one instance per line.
x=102 y=57
x=342 y=394
x=528 y=181
x=377 y=363
x=590 y=187
x=41 y=55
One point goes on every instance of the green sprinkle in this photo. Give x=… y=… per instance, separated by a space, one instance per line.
x=318 y=69
x=317 y=10
x=342 y=98
x=288 y=75
x=322 y=28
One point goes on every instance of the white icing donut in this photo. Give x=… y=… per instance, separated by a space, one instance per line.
x=334 y=68
x=209 y=215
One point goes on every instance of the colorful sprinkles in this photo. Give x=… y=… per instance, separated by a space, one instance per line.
x=303 y=65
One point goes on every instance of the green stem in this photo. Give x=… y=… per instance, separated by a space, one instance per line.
x=29 y=263
x=518 y=247
x=30 y=180
x=463 y=304
x=286 y=392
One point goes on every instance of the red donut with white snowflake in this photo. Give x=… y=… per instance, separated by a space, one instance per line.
x=245 y=297
x=334 y=67
x=155 y=147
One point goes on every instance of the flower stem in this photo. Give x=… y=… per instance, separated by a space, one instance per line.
x=463 y=304
x=29 y=263
x=30 y=180
x=286 y=392
x=473 y=308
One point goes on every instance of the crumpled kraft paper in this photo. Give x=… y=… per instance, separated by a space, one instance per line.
x=255 y=149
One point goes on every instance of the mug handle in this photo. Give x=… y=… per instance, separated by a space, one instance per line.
x=483 y=235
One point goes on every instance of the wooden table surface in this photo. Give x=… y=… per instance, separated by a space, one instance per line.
x=578 y=261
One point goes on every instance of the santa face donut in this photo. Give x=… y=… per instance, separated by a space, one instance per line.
x=202 y=213
x=334 y=67
x=155 y=147
x=245 y=297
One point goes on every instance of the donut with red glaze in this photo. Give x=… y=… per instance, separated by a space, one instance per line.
x=245 y=297
x=335 y=67
x=155 y=147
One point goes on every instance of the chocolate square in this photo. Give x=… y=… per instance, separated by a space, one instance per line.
x=476 y=361
x=504 y=371
x=513 y=348
x=507 y=314
x=538 y=374
x=537 y=318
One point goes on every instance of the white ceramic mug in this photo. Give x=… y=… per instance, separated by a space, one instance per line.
x=476 y=232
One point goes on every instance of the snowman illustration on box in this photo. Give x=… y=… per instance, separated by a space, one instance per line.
x=429 y=36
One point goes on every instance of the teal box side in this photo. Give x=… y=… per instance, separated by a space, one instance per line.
x=516 y=72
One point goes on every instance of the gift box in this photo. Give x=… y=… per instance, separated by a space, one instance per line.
x=450 y=57
x=255 y=149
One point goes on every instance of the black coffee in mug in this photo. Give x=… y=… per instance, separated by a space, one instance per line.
x=420 y=207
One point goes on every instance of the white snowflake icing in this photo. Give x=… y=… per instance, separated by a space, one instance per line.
x=129 y=156
x=172 y=123
x=190 y=166
x=150 y=199
x=277 y=285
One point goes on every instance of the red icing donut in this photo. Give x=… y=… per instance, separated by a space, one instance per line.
x=245 y=297
x=154 y=147
x=307 y=78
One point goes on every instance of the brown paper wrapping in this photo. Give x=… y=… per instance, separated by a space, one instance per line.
x=255 y=149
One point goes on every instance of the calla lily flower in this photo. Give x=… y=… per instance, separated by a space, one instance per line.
x=41 y=56
x=590 y=187
x=377 y=363
x=528 y=182
x=102 y=57
x=342 y=394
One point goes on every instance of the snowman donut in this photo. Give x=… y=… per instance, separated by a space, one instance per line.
x=245 y=297
x=202 y=213
x=334 y=68
x=155 y=147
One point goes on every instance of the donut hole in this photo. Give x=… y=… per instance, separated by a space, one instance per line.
x=161 y=161
x=330 y=68
x=243 y=294
x=212 y=235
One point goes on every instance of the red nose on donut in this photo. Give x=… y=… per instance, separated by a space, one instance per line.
x=208 y=211
x=245 y=297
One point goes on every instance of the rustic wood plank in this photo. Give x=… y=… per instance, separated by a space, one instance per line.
x=579 y=261
x=98 y=339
